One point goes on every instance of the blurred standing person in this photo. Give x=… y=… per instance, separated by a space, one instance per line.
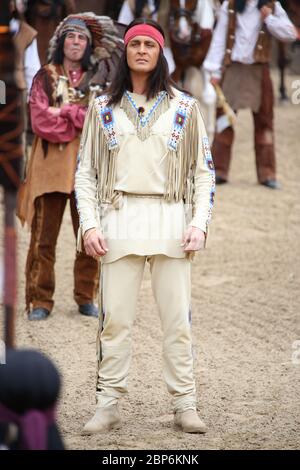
x=44 y=16
x=28 y=62
x=239 y=59
x=11 y=156
x=58 y=102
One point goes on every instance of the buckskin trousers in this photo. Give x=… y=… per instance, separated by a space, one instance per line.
x=263 y=137
x=40 y=276
x=171 y=285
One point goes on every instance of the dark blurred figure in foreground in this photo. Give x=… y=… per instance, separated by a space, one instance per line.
x=29 y=389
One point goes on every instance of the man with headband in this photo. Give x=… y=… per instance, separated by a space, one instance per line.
x=158 y=10
x=144 y=188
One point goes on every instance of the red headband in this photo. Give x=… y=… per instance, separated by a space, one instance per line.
x=144 y=30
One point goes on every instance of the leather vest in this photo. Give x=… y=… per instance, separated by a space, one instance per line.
x=263 y=45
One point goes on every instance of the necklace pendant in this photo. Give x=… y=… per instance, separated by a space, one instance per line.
x=143 y=123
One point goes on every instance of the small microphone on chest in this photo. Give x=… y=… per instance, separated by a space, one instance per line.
x=141 y=110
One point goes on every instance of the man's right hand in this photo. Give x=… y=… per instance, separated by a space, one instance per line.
x=265 y=11
x=94 y=243
x=215 y=81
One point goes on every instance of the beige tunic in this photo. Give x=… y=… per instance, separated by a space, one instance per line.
x=143 y=225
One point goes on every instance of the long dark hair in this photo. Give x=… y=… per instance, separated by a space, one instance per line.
x=159 y=79
x=58 y=55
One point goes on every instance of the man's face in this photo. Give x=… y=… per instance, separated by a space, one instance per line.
x=142 y=54
x=74 y=46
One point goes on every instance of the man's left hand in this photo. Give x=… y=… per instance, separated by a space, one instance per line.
x=265 y=11
x=193 y=240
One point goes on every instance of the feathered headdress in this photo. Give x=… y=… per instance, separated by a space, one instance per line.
x=105 y=35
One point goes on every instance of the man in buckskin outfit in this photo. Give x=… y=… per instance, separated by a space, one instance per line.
x=58 y=102
x=144 y=189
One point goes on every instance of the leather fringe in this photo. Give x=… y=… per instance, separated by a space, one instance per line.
x=182 y=162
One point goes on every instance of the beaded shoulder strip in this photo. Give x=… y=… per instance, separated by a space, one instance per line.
x=208 y=160
x=181 y=117
x=106 y=116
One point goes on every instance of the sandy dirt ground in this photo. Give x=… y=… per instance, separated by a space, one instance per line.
x=246 y=298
